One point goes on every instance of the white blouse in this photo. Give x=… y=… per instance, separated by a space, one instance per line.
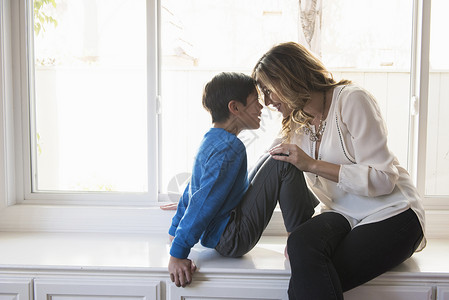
x=372 y=185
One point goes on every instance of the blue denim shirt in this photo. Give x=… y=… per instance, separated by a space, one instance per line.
x=219 y=180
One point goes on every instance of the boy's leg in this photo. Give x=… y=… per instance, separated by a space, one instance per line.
x=273 y=181
x=260 y=162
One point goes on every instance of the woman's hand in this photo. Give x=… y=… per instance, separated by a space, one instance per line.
x=296 y=156
x=293 y=154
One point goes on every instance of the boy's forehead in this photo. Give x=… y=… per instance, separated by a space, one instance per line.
x=254 y=93
x=254 y=96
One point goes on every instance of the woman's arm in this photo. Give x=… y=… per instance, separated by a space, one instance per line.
x=375 y=172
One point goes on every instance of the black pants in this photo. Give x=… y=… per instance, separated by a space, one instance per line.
x=270 y=181
x=327 y=258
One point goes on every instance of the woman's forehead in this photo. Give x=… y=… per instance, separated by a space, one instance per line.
x=260 y=82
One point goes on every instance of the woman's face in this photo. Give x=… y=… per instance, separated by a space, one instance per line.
x=271 y=98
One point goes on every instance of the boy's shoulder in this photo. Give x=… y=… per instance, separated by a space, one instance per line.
x=223 y=138
x=219 y=140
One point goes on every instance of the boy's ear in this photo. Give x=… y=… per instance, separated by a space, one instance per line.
x=233 y=107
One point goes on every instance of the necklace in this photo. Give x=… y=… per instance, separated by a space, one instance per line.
x=316 y=136
x=312 y=146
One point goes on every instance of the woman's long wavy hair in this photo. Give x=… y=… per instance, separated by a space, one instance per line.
x=293 y=72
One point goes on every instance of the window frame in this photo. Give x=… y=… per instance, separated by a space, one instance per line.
x=6 y=110
x=23 y=26
x=120 y=212
x=419 y=91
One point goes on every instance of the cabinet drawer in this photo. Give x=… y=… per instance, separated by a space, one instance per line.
x=386 y=292
x=15 y=288
x=96 y=289
x=228 y=291
x=443 y=293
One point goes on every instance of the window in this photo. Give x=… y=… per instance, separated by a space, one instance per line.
x=88 y=96
x=369 y=42
x=88 y=126
x=374 y=54
x=437 y=144
x=89 y=88
x=200 y=40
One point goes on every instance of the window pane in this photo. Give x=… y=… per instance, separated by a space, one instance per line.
x=201 y=38
x=362 y=40
x=369 y=42
x=90 y=123
x=437 y=156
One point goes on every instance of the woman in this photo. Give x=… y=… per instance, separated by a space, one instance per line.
x=372 y=218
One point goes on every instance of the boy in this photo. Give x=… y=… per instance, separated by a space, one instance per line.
x=219 y=177
x=219 y=206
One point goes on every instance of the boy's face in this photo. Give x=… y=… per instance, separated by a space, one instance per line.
x=251 y=113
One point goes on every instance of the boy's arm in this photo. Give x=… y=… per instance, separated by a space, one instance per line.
x=218 y=176
x=180 y=210
x=203 y=206
x=216 y=183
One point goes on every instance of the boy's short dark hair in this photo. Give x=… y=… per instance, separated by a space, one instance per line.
x=223 y=88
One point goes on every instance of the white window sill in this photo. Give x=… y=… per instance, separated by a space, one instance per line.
x=117 y=219
x=135 y=220
x=53 y=218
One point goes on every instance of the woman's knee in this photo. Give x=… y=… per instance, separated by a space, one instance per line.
x=301 y=244
x=318 y=236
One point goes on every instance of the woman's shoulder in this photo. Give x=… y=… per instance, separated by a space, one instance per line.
x=354 y=95
x=356 y=103
x=352 y=91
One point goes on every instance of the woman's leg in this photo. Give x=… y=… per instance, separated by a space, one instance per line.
x=274 y=180
x=373 y=249
x=310 y=248
x=327 y=258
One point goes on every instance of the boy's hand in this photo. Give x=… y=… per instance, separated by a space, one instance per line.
x=181 y=271
x=170 y=206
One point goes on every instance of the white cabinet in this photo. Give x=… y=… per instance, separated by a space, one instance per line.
x=230 y=290
x=443 y=293
x=126 y=288
x=96 y=289
x=386 y=292
x=15 y=288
